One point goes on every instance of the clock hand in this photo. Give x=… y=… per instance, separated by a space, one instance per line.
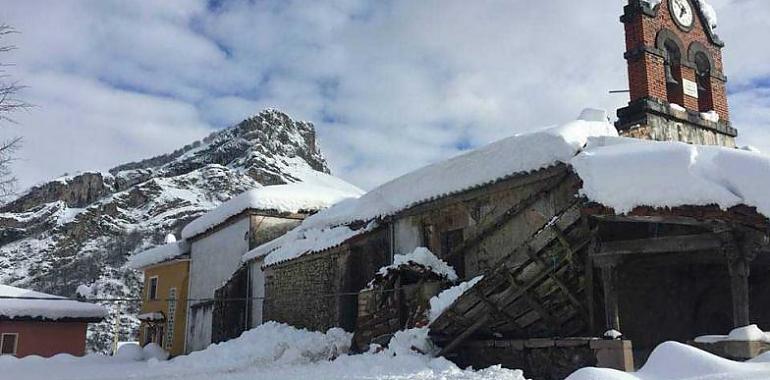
x=682 y=11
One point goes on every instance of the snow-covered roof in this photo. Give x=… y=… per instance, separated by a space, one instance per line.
x=521 y=153
x=518 y=154
x=48 y=308
x=300 y=241
x=321 y=191
x=159 y=254
x=671 y=174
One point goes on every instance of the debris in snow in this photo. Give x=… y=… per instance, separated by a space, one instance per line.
x=159 y=254
x=711 y=116
x=49 y=307
x=612 y=334
x=443 y=300
x=290 y=198
x=671 y=174
x=424 y=257
x=750 y=333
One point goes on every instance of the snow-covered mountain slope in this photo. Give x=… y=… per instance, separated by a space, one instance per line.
x=73 y=235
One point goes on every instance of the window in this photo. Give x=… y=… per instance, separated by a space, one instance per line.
x=8 y=344
x=703 y=78
x=451 y=241
x=673 y=72
x=152 y=289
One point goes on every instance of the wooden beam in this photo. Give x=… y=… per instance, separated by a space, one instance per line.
x=739 y=287
x=667 y=244
x=494 y=307
x=464 y=335
x=611 y=308
x=681 y=220
x=549 y=185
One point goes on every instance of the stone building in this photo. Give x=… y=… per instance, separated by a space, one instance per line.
x=576 y=246
x=221 y=288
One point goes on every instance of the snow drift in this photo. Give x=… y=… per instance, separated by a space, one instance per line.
x=271 y=351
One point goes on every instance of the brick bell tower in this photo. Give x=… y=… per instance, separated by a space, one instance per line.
x=676 y=78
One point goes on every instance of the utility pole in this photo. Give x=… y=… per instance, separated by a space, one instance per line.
x=117 y=330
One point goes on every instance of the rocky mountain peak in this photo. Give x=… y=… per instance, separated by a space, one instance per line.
x=73 y=235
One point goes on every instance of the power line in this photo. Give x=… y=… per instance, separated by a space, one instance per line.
x=197 y=300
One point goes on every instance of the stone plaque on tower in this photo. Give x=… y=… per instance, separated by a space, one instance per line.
x=675 y=72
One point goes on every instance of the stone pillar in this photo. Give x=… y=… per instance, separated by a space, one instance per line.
x=739 y=286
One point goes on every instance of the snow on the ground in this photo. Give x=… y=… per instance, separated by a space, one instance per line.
x=52 y=308
x=443 y=300
x=271 y=351
x=424 y=257
x=750 y=333
x=322 y=192
x=159 y=254
x=670 y=174
x=678 y=361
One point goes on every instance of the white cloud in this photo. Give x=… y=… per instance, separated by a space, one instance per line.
x=390 y=85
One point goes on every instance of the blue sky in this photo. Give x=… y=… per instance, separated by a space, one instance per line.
x=391 y=85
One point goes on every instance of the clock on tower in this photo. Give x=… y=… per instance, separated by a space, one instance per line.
x=675 y=73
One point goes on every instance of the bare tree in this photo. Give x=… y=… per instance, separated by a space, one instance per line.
x=9 y=104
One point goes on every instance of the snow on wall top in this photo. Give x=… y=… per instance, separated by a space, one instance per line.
x=45 y=309
x=159 y=254
x=317 y=191
x=517 y=154
x=424 y=257
x=301 y=241
x=671 y=174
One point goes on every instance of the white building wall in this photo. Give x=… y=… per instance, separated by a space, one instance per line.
x=214 y=259
x=257 y=291
x=407 y=236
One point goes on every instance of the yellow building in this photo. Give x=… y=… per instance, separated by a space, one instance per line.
x=164 y=295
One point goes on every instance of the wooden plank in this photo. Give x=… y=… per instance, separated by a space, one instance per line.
x=549 y=185
x=464 y=336
x=666 y=244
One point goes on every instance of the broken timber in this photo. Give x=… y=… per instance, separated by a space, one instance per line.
x=533 y=290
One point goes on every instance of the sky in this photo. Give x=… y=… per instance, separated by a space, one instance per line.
x=391 y=85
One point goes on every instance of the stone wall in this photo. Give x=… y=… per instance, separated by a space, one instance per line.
x=301 y=292
x=319 y=291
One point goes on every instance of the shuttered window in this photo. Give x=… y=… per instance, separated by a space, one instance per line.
x=8 y=344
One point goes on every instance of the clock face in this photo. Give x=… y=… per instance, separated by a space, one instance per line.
x=682 y=12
